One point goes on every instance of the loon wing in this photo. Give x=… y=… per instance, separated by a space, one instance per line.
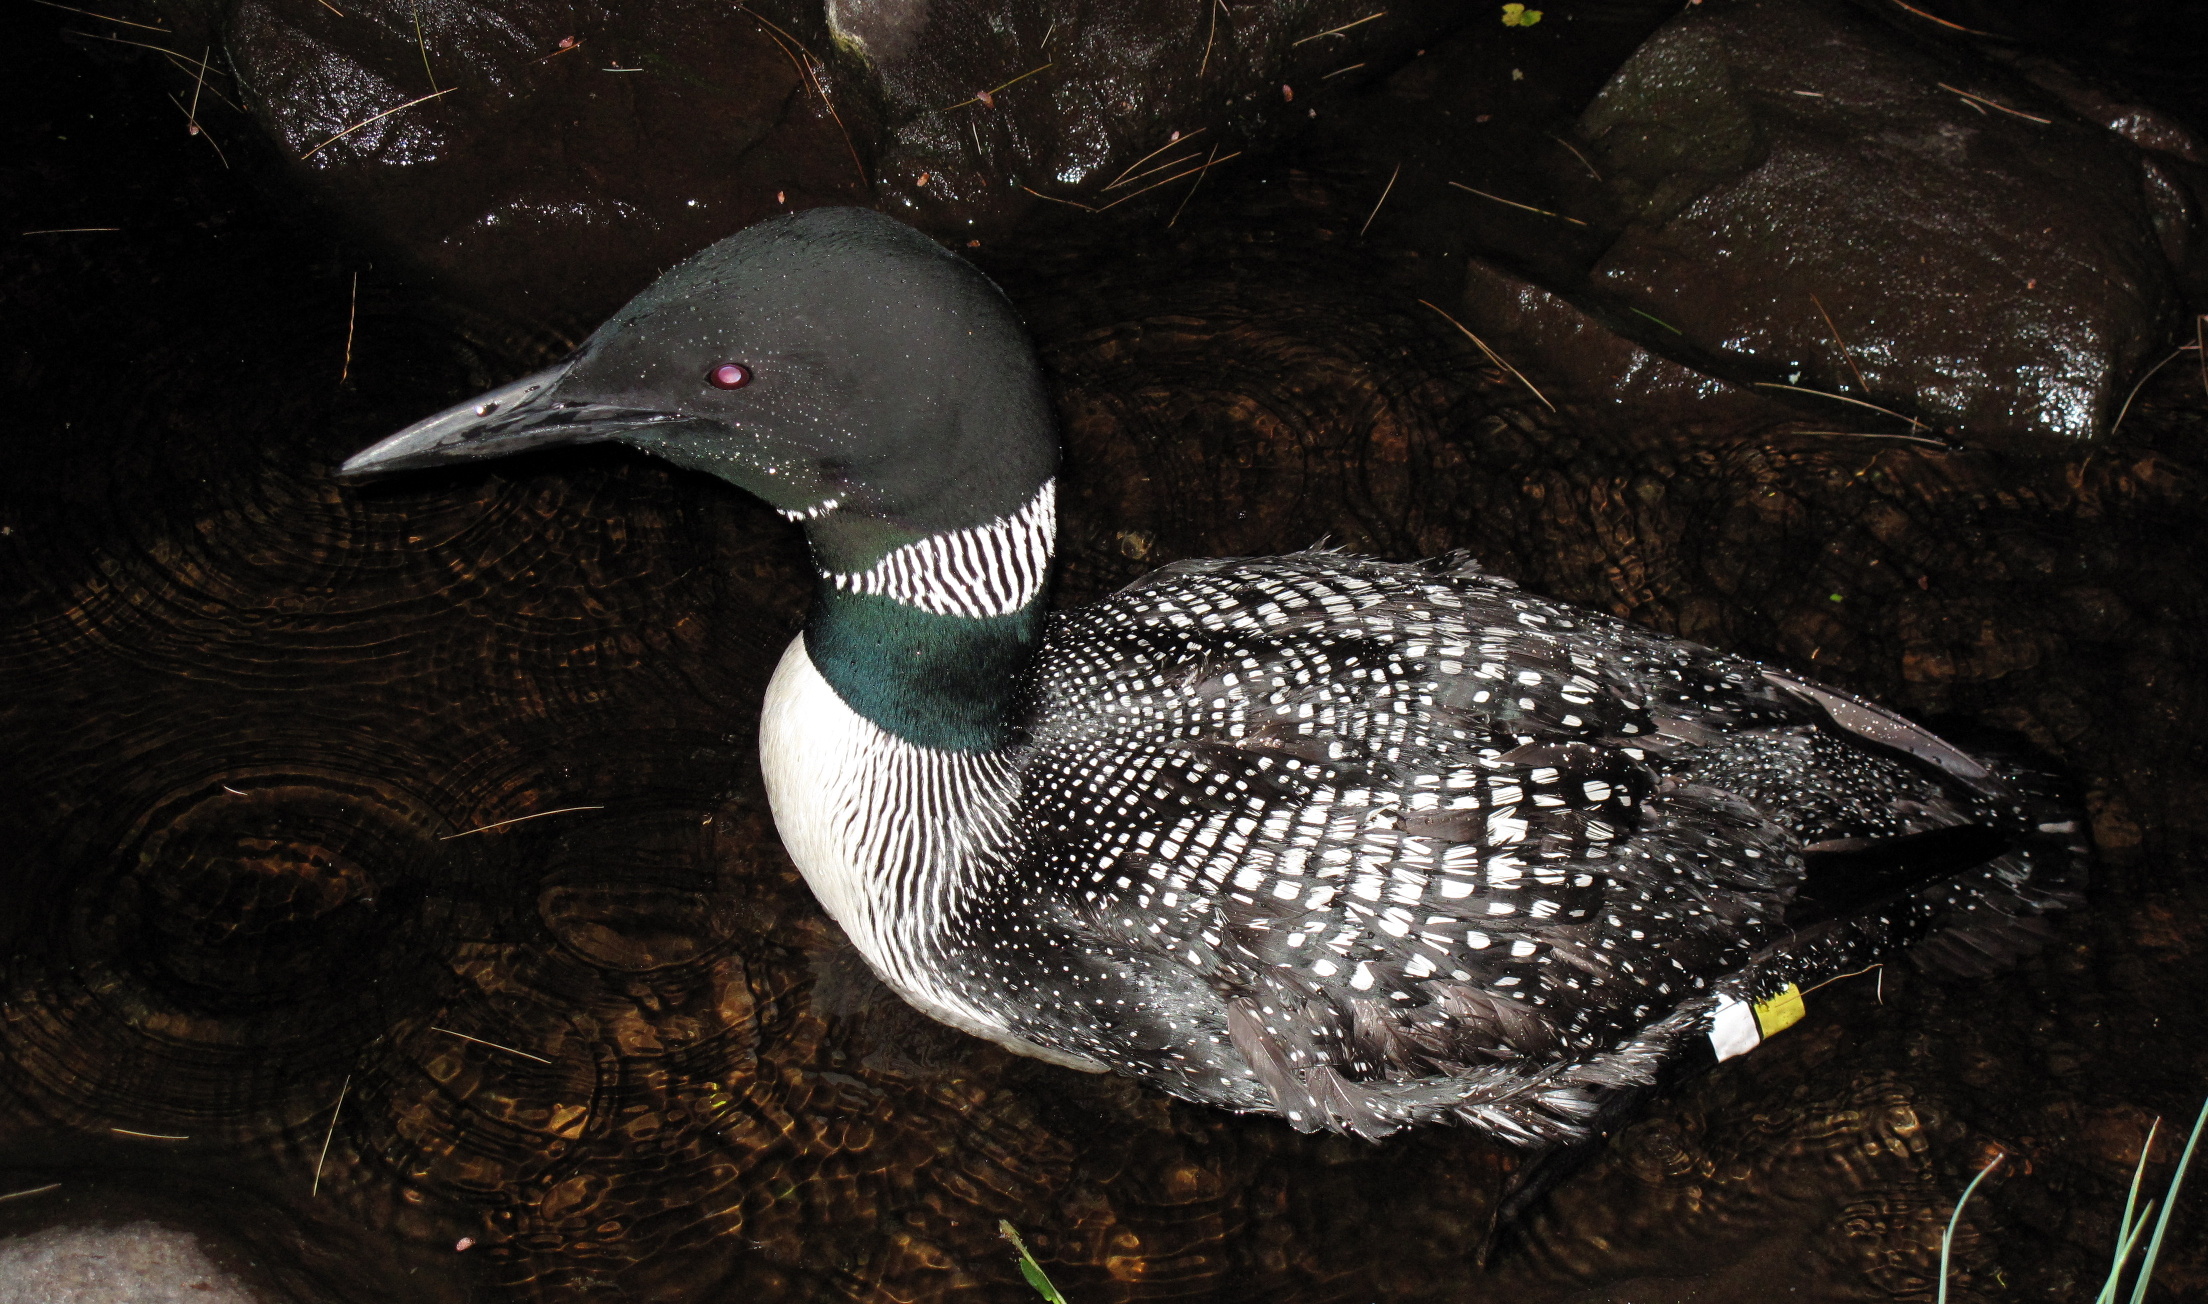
x=1370 y=845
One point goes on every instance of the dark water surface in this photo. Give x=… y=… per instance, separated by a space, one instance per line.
x=251 y=717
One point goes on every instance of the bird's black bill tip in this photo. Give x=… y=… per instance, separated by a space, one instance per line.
x=529 y=413
x=481 y=427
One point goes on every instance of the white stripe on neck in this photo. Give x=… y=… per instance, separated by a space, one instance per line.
x=893 y=838
x=992 y=569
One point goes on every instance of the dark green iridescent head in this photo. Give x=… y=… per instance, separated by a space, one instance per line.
x=856 y=376
x=878 y=372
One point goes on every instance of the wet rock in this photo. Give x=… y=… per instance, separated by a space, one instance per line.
x=1107 y=86
x=1664 y=241
x=569 y=152
x=572 y=152
x=2152 y=48
x=1807 y=196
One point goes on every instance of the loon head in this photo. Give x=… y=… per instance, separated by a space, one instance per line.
x=834 y=362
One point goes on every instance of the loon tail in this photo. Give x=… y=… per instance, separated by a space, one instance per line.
x=1967 y=900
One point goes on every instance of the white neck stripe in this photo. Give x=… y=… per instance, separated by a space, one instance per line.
x=993 y=569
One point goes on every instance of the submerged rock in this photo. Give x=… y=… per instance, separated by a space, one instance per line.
x=1606 y=376
x=137 y=1263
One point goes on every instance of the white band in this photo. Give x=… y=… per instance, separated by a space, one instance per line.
x=983 y=570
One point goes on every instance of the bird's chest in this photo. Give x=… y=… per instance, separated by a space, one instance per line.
x=897 y=842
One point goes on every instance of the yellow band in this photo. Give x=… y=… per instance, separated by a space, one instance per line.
x=1781 y=1011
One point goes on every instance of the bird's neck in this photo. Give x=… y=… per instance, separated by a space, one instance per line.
x=931 y=640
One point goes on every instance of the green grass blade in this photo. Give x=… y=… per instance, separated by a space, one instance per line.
x=2123 y=1256
x=1947 y=1242
x=2127 y=1230
x=2169 y=1206
x=1030 y=1269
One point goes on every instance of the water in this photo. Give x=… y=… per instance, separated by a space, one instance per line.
x=618 y=1053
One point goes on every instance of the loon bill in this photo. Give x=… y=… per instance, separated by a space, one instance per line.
x=1360 y=844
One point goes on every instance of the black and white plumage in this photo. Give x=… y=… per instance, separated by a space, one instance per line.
x=1358 y=843
x=992 y=569
x=1398 y=844
x=1369 y=845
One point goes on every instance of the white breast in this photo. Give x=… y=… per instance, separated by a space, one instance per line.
x=893 y=838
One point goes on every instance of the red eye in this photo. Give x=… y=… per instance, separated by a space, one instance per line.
x=729 y=375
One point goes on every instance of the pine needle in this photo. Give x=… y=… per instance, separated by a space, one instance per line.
x=1841 y=398
x=1205 y=167
x=1384 y=192
x=324 y=1156
x=423 y=42
x=485 y=828
x=1492 y=355
x=1993 y=104
x=105 y=18
x=378 y=118
x=1515 y=204
x=352 y=315
x=809 y=68
x=1584 y=162
x=492 y=1044
x=2125 y=410
x=1337 y=31
x=989 y=97
x=1935 y=18
x=1201 y=173
x=1178 y=139
x=1845 y=356
x=1150 y=172
x=1209 y=36
x=1070 y=203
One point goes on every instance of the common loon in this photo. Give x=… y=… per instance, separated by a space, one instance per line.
x=1357 y=843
